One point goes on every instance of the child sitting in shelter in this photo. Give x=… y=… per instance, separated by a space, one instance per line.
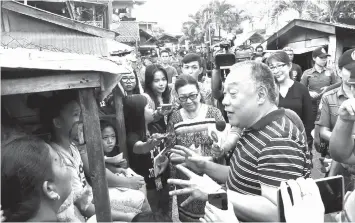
x=61 y=113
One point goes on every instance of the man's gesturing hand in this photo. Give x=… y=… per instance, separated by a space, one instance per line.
x=193 y=160
x=198 y=187
x=347 y=110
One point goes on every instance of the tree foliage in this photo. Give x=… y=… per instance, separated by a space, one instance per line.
x=213 y=16
x=334 y=11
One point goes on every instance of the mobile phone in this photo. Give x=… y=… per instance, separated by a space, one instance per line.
x=331 y=191
x=219 y=200
x=166 y=107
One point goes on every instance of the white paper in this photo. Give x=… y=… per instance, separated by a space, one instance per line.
x=115 y=159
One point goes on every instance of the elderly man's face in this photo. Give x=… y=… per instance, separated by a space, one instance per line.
x=240 y=97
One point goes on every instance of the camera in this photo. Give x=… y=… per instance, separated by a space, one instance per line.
x=226 y=59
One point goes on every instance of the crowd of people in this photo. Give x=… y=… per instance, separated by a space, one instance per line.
x=276 y=116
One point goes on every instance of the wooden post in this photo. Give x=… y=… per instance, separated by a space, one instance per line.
x=108 y=15
x=95 y=152
x=120 y=121
x=332 y=49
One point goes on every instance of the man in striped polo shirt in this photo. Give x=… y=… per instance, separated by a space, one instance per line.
x=272 y=149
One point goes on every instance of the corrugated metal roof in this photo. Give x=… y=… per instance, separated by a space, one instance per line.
x=56 y=42
x=128 y=30
x=340 y=25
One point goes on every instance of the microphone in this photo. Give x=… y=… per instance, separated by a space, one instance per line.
x=217 y=135
x=220 y=125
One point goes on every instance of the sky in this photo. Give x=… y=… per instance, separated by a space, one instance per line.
x=170 y=14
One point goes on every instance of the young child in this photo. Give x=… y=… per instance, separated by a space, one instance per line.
x=110 y=145
x=60 y=114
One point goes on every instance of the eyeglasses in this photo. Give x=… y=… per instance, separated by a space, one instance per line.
x=191 y=97
x=277 y=66
x=126 y=79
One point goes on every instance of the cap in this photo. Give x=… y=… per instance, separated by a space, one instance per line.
x=347 y=60
x=319 y=52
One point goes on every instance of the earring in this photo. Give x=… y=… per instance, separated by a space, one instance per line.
x=57 y=197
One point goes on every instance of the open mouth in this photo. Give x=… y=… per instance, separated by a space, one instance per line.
x=229 y=113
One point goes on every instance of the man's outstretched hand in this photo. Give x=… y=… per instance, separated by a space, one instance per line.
x=193 y=160
x=197 y=187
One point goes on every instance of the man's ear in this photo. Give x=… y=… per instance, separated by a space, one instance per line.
x=200 y=70
x=49 y=190
x=56 y=123
x=262 y=95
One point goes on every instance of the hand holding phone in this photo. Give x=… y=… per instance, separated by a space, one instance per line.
x=165 y=109
x=307 y=200
x=213 y=214
x=219 y=200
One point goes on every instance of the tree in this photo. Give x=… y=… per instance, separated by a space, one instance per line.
x=319 y=10
x=216 y=15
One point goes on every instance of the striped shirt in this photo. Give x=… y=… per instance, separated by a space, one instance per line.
x=271 y=151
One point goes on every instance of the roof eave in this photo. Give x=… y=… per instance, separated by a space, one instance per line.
x=57 y=19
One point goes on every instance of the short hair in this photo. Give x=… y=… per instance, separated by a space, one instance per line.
x=184 y=80
x=50 y=108
x=191 y=57
x=280 y=56
x=261 y=75
x=151 y=217
x=287 y=48
x=163 y=51
x=25 y=165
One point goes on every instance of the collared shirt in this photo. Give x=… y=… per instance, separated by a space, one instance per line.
x=271 y=151
x=329 y=106
x=314 y=80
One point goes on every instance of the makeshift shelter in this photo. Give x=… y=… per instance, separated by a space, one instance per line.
x=304 y=36
x=31 y=71
x=24 y=26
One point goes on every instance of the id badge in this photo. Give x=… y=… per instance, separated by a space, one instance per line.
x=158 y=183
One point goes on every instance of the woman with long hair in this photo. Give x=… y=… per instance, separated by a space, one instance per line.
x=144 y=143
x=292 y=94
x=130 y=83
x=190 y=125
x=156 y=87
x=34 y=181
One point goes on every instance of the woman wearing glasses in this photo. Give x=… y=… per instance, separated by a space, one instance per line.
x=130 y=84
x=292 y=94
x=190 y=125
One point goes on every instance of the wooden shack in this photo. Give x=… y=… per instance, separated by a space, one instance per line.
x=304 y=36
x=29 y=27
x=27 y=71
